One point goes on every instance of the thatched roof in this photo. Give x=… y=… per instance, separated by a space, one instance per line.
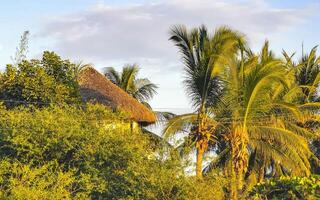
x=94 y=87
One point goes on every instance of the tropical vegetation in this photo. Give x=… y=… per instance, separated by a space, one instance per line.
x=259 y=108
x=287 y=187
x=39 y=82
x=253 y=133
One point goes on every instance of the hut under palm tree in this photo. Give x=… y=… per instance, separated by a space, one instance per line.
x=96 y=88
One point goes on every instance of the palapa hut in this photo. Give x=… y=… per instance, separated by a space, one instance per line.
x=96 y=88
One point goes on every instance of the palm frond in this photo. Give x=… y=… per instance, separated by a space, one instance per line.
x=112 y=75
x=180 y=123
x=128 y=76
x=144 y=89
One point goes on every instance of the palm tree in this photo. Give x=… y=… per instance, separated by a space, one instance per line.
x=251 y=117
x=143 y=90
x=203 y=57
x=140 y=88
x=258 y=123
x=308 y=75
x=305 y=91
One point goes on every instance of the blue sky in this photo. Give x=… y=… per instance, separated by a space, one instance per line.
x=113 y=33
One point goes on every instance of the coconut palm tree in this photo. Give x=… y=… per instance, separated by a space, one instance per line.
x=252 y=118
x=307 y=74
x=141 y=89
x=258 y=122
x=203 y=57
x=305 y=91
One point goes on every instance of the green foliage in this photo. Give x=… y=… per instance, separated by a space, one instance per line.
x=87 y=153
x=71 y=138
x=308 y=75
x=212 y=186
x=19 y=181
x=204 y=56
x=288 y=188
x=251 y=110
x=39 y=82
x=247 y=106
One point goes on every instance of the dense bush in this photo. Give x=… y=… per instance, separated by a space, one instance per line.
x=76 y=153
x=21 y=181
x=40 y=82
x=288 y=188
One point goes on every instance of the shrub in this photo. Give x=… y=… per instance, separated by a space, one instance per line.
x=75 y=153
x=39 y=82
x=20 y=181
x=288 y=188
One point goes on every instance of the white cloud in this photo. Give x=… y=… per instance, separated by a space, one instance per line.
x=139 y=33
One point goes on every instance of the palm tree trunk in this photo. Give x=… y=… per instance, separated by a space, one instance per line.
x=200 y=152
x=236 y=183
x=233 y=183
x=240 y=157
x=261 y=173
x=201 y=144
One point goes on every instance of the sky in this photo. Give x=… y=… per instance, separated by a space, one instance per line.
x=118 y=32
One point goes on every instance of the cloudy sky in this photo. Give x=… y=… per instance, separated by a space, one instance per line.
x=117 y=32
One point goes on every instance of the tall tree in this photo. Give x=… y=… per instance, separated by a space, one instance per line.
x=258 y=119
x=203 y=56
x=22 y=49
x=305 y=90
